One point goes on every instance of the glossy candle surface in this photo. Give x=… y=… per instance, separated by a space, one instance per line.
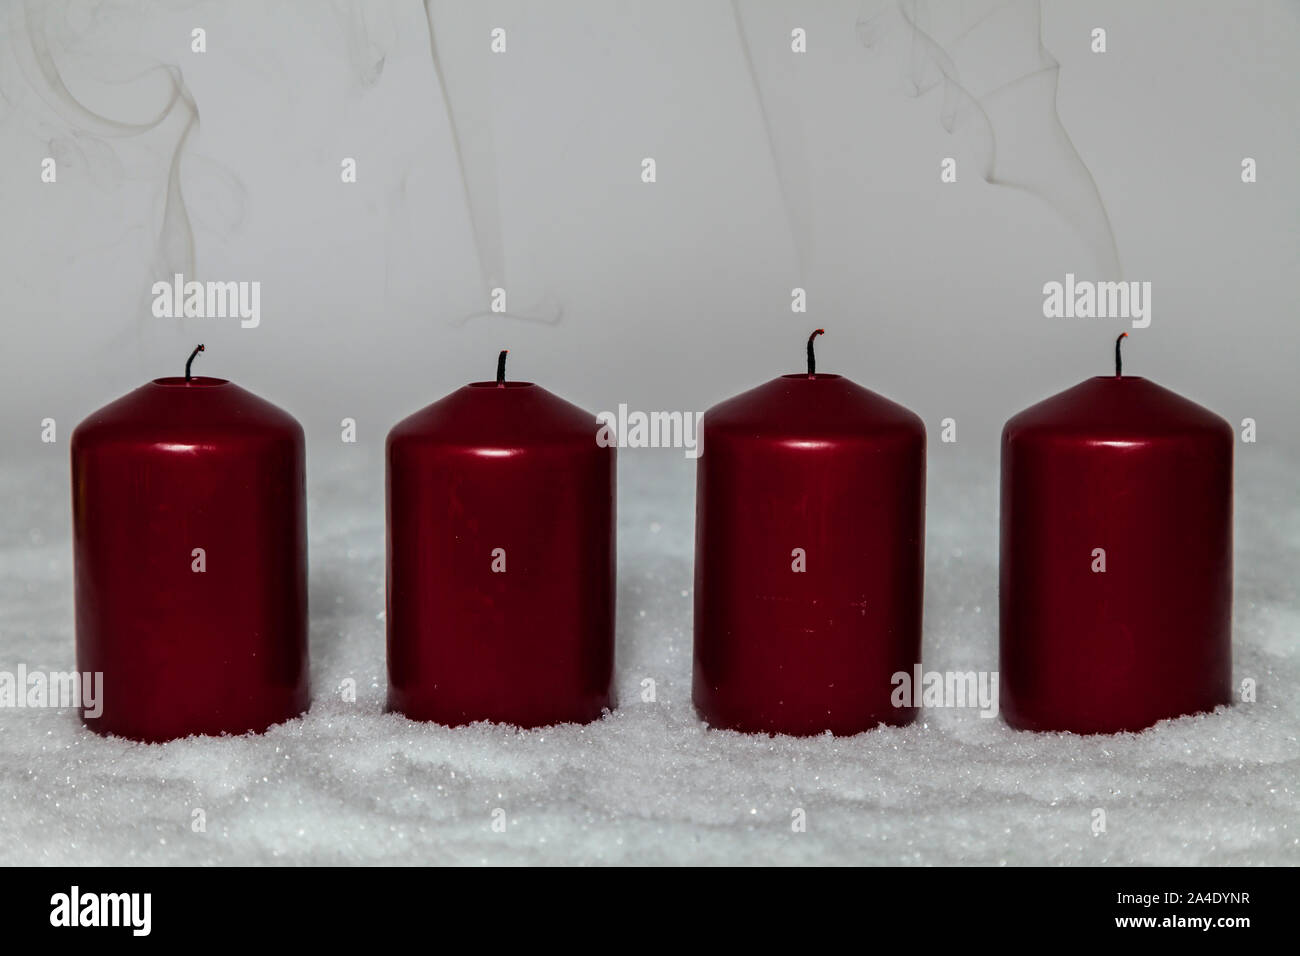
x=1122 y=465
x=823 y=465
x=489 y=477
x=172 y=467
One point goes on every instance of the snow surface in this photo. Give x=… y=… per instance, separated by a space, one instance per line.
x=649 y=784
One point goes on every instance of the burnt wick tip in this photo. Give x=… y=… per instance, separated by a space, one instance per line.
x=812 y=358
x=501 y=368
x=190 y=361
x=1119 y=366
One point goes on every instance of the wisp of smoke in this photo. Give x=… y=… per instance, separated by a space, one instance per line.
x=999 y=89
x=464 y=92
x=30 y=35
x=777 y=112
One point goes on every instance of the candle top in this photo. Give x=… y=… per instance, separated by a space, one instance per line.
x=812 y=406
x=1116 y=408
x=196 y=381
x=189 y=413
x=498 y=415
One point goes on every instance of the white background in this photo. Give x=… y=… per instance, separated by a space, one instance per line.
x=674 y=295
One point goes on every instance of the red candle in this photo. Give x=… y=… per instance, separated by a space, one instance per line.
x=190 y=552
x=500 y=559
x=1116 y=597
x=809 y=556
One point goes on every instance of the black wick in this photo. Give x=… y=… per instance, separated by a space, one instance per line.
x=190 y=361
x=501 y=369
x=812 y=359
x=1118 y=364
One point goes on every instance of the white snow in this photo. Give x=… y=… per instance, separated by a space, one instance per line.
x=648 y=784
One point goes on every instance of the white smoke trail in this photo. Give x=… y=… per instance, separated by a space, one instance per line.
x=463 y=88
x=369 y=33
x=785 y=149
x=999 y=90
x=31 y=36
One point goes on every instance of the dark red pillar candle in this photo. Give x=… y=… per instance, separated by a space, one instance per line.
x=816 y=463
x=500 y=559
x=1121 y=471
x=190 y=551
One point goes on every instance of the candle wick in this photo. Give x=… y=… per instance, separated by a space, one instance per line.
x=501 y=369
x=1119 y=365
x=812 y=359
x=190 y=361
